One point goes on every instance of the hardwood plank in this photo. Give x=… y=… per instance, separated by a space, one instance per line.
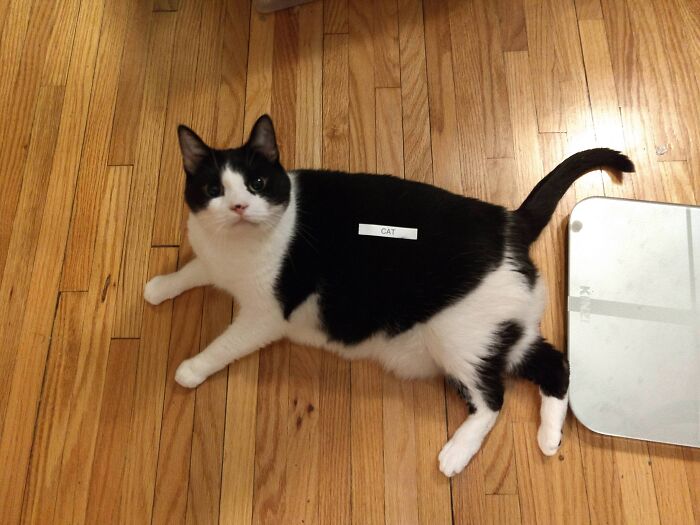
x=511 y=15
x=692 y=469
x=636 y=481
x=61 y=44
x=91 y=175
x=602 y=479
x=589 y=10
x=498 y=459
x=132 y=81
x=434 y=501
x=551 y=489
x=271 y=435
x=334 y=477
x=367 y=443
x=136 y=505
x=546 y=65
x=390 y=154
x=659 y=91
x=22 y=246
x=237 y=479
x=86 y=397
x=234 y=65
x=32 y=347
x=171 y=181
x=335 y=102
x=115 y=419
x=12 y=43
x=204 y=487
x=309 y=94
x=444 y=138
x=497 y=129
x=361 y=88
x=173 y=470
x=677 y=182
x=601 y=85
x=401 y=487
x=467 y=81
x=18 y=99
x=521 y=88
x=142 y=204
x=335 y=16
x=54 y=410
x=259 y=80
x=166 y=5
x=303 y=442
x=414 y=92
x=385 y=38
x=671 y=483
x=502 y=509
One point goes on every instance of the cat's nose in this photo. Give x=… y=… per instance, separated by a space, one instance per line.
x=239 y=208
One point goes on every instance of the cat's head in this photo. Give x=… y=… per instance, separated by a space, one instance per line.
x=229 y=187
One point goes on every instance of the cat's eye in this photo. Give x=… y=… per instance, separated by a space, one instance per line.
x=257 y=184
x=212 y=190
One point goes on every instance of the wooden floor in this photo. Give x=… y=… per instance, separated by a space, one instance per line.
x=478 y=96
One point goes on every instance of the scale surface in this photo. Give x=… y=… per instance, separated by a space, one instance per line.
x=634 y=319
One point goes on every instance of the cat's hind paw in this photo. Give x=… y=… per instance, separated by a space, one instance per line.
x=186 y=376
x=453 y=458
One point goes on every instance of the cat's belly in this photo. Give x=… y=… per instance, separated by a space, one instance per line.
x=405 y=354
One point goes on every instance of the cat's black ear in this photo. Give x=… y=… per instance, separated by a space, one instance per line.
x=262 y=139
x=193 y=148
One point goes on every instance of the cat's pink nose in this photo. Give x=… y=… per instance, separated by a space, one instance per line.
x=239 y=208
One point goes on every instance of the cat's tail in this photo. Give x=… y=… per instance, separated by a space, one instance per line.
x=534 y=213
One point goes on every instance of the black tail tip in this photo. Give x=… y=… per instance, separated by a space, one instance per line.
x=609 y=158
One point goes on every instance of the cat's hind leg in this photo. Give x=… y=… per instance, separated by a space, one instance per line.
x=164 y=287
x=467 y=439
x=546 y=367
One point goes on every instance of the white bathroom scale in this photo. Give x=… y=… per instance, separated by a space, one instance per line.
x=634 y=319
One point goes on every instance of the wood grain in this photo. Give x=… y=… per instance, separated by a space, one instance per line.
x=335 y=16
x=32 y=346
x=137 y=493
x=108 y=467
x=54 y=411
x=132 y=81
x=91 y=176
x=142 y=204
x=385 y=36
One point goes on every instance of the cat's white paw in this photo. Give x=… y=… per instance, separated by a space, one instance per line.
x=549 y=439
x=186 y=376
x=156 y=290
x=453 y=458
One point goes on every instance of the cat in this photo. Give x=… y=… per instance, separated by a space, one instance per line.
x=457 y=295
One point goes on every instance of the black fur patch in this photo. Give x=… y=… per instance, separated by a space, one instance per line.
x=462 y=392
x=491 y=368
x=547 y=368
x=368 y=285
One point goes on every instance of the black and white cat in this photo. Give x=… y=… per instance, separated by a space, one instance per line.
x=462 y=299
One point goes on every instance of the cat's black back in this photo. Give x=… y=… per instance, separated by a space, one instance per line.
x=368 y=284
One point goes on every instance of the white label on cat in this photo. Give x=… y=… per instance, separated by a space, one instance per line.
x=379 y=230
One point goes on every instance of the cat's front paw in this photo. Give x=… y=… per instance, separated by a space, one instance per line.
x=453 y=458
x=156 y=290
x=186 y=376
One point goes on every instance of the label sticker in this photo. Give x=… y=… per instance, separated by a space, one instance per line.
x=394 y=232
